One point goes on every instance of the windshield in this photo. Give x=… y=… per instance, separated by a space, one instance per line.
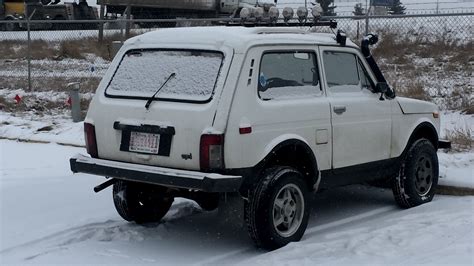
x=141 y=74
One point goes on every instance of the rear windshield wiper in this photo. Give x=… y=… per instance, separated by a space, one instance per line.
x=152 y=98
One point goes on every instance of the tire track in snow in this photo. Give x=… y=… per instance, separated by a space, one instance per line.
x=106 y=231
x=237 y=254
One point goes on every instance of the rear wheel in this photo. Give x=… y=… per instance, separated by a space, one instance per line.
x=418 y=176
x=277 y=210
x=142 y=203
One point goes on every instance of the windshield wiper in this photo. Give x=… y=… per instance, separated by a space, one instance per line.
x=152 y=98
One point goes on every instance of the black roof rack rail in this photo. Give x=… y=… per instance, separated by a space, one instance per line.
x=324 y=23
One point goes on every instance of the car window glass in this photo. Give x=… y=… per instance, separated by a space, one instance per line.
x=342 y=73
x=142 y=72
x=365 y=79
x=288 y=75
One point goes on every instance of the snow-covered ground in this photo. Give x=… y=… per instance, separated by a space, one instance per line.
x=50 y=216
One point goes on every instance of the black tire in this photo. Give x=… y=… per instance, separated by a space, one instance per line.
x=141 y=203
x=208 y=201
x=261 y=208
x=11 y=25
x=418 y=176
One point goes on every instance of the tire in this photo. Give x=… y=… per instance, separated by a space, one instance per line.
x=208 y=202
x=141 y=203
x=418 y=176
x=11 y=26
x=269 y=225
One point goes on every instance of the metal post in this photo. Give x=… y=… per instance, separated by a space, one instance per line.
x=128 y=23
x=75 y=101
x=28 y=52
x=358 y=30
x=101 y=23
x=367 y=11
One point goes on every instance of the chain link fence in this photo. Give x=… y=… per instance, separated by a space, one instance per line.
x=423 y=56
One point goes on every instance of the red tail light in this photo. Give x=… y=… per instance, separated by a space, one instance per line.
x=212 y=152
x=91 y=143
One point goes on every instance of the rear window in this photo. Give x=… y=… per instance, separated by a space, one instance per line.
x=142 y=73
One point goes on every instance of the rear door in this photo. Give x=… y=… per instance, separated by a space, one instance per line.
x=361 y=122
x=168 y=132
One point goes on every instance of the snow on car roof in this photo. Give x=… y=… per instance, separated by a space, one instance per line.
x=239 y=38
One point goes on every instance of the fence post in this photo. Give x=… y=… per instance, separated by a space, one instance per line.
x=28 y=52
x=128 y=23
x=75 y=101
x=358 y=30
x=101 y=23
x=367 y=11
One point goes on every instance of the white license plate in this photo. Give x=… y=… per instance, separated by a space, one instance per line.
x=144 y=142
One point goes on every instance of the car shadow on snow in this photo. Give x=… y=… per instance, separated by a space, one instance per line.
x=190 y=235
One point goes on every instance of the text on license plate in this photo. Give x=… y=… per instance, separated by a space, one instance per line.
x=144 y=142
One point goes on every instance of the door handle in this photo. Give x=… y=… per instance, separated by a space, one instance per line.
x=338 y=109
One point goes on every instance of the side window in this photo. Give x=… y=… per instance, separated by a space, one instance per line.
x=366 y=82
x=288 y=75
x=342 y=72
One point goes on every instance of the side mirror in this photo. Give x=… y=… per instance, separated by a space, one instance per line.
x=382 y=87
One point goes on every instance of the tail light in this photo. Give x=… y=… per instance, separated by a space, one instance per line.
x=212 y=152
x=91 y=143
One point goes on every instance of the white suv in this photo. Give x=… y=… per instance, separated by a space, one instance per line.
x=268 y=113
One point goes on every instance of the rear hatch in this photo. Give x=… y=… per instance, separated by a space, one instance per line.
x=167 y=133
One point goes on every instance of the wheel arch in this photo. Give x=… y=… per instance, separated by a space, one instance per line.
x=295 y=152
x=423 y=130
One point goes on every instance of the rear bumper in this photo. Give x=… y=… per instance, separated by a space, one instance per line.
x=444 y=144
x=207 y=182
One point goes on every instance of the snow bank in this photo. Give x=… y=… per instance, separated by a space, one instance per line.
x=58 y=129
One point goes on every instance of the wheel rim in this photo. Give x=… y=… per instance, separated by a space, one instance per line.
x=288 y=210
x=423 y=176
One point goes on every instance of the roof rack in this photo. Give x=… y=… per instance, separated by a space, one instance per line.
x=329 y=23
x=269 y=17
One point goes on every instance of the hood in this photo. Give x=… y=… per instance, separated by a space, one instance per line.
x=413 y=106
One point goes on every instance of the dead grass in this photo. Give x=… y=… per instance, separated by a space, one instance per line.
x=50 y=83
x=415 y=63
x=460 y=99
x=6 y=105
x=461 y=138
x=469 y=110
x=40 y=106
x=415 y=91
x=76 y=48
x=396 y=47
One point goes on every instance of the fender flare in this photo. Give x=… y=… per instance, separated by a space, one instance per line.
x=284 y=141
x=417 y=130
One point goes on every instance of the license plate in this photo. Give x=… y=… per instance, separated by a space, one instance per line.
x=144 y=142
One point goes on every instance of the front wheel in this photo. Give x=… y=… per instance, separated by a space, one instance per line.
x=418 y=175
x=277 y=210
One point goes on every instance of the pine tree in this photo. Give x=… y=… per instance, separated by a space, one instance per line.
x=358 y=11
x=327 y=6
x=396 y=8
